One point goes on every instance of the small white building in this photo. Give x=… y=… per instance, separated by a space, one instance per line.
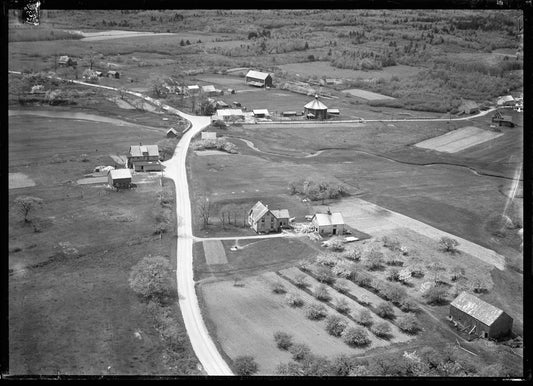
x=507 y=100
x=261 y=113
x=229 y=114
x=193 y=89
x=328 y=223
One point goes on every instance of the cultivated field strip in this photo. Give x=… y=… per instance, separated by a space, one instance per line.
x=458 y=140
x=397 y=335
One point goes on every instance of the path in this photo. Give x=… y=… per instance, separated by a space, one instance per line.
x=203 y=345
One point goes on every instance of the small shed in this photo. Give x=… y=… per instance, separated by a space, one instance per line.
x=193 y=89
x=119 y=178
x=316 y=109
x=66 y=61
x=209 y=135
x=328 y=223
x=172 y=133
x=478 y=317
x=113 y=74
x=258 y=79
x=261 y=113
x=334 y=112
x=289 y=113
x=503 y=120
x=469 y=107
x=210 y=90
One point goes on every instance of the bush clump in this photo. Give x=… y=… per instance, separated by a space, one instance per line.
x=355 y=336
x=409 y=324
x=382 y=329
x=300 y=280
x=341 y=305
x=315 y=311
x=245 y=365
x=335 y=325
x=324 y=275
x=294 y=300
x=364 y=318
x=278 y=288
x=436 y=295
x=300 y=351
x=321 y=292
x=385 y=310
x=283 y=340
x=448 y=244
x=151 y=278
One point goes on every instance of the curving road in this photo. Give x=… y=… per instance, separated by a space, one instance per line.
x=203 y=346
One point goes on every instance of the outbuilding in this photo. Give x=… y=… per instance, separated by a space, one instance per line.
x=113 y=74
x=469 y=107
x=258 y=79
x=503 y=120
x=229 y=114
x=506 y=100
x=66 y=61
x=316 y=109
x=328 y=223
x=172 y=133
x=193 y=89
x=334 y=112
x=478 y=317
x=119 y=178
x=261 y=113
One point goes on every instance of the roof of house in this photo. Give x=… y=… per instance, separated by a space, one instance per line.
x=193 y=87
x=315 y=104
x=258 y=211
x=63 y=58
x=281 y=213
x=137 y=151
x=209 y=88
x=257 y=74
x=260 y=112
x=118 y=174
x=477 y=308
x=89 y=72
x=324 y=219
x=229 y=112
x=172 y=130
x=469 y=105
x=507 y=98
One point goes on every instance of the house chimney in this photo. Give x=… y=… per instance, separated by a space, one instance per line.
x=266 y=206
x=329 y=211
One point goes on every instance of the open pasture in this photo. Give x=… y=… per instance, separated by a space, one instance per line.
x=366 y=95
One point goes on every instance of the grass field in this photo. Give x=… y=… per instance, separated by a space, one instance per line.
x=71 y=308
x=459 y=140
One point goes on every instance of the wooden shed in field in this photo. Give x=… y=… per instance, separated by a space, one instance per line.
x=258 y=79
x=316 y=109
x=478 y=317
x=119 y=178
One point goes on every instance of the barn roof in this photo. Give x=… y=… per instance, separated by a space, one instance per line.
x=63 y=58
x=324 y=219
x=469 y=105
x=507 y=98
x=209 y=88
x=137 y=151
x=315 y=104
x=260 y=112
x=258 y=211
x=172 y=130
x=118 y=174
x=281 y=213
x=193 y=87
x=229 y=112
x=257 y=74
x=477 y=308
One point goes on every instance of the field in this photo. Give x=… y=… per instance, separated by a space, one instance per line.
x=459 y=140
x=71 y=308
x=325 y=69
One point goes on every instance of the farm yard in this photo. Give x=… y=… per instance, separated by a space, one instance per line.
x=420 y=210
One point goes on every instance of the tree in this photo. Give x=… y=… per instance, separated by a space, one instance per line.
x=315 y=311
x=355 y=336
x=283 y=340
x=278 y=287
x=204 y=210
x=245 y=365
x=382 y=329
x=436 y=295
x=300 y=280
x=159 y=89
x=385 y=310
x=321 y=292
x=299 y=351
x=324 y=275
x=151 y=278
x=409 y=324
x=448 y=244
x=26 y=205
x=335 y=325
x=341 y=365
x=341 y=305
x=206 y=107
x=364 y=318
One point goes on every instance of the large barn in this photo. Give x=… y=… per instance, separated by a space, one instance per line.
x=475 y=316
x=316 y=109
x=258 y=79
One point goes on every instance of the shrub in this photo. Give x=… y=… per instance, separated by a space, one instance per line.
x=151 y=278
x=341 y=305
x=321 y=292
x=362 y=279
x=283 y=340
x=335 y=325
x=245 y=365
x=404 y=276
x=300 y=280
x=337 y=245
x=324 y=275
x=355 y=336
x=27 y=204
x=344 y=268
x=393 y=274
x=382 y=329
x=327 y=260
x=341 y=365
x=448 y=244
x=278 y=288
x=409 y=324
x=409 y=305
x=340 y=287
x=300 y=351
x=417 y=272
x=385 y=310
x=374 y=260
x=354 y=254
x=315 y=311
x=294 y=300
x=364 y=318
x=436 y=295
x=392 y=244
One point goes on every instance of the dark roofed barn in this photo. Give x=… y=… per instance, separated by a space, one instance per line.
x=477 y=317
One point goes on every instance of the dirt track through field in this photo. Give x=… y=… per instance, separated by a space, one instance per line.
x=372 y=218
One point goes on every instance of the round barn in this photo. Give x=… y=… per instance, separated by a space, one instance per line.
x=316 y=109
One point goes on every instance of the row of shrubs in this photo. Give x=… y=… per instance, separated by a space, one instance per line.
x=218 y=144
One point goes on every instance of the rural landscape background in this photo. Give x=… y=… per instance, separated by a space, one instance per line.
x=274 y=305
